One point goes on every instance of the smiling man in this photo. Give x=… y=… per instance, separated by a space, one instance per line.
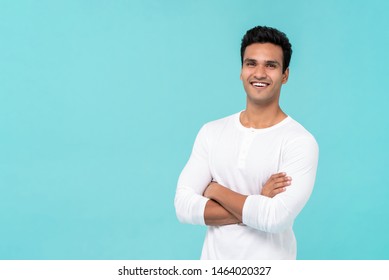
x=250 y=174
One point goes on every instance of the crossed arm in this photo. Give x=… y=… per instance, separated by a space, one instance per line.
x=272 y=210
x=225 y=206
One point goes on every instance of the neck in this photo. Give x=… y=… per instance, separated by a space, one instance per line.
x=256 y=117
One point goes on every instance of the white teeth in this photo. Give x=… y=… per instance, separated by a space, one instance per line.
x=259 y=84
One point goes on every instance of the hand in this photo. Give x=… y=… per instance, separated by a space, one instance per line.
x=276 y=184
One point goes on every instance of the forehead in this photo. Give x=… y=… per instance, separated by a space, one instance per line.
x=263 y=51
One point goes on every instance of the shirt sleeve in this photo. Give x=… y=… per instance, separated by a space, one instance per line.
x=189 y=200
x=274 y=215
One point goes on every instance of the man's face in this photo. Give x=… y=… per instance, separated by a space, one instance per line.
x=261 y=73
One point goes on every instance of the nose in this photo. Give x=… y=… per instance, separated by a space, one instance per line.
x=260 y=71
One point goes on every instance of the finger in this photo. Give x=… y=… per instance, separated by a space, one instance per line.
x=282 y=184
x=282 y=180
x=277 y=176
x=277 y=191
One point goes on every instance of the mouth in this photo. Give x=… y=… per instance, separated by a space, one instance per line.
x=259 y=84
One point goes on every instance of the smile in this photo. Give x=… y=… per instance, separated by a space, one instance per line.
x=259 y=84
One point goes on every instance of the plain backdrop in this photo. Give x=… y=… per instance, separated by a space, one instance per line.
x=100 y=102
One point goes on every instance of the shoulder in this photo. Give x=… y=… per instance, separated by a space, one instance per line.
x=295 y=130
x=212 y=130
x=221 y=124
x=297 y=135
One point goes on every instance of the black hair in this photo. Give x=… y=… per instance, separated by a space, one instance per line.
x=264 y=34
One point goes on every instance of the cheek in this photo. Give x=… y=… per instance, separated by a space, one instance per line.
x=279 y=79
x=244 y=75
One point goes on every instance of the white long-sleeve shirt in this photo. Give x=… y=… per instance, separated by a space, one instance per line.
x=243 y=159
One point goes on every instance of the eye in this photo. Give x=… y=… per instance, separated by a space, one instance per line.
x=250 y=63
x=271 y=65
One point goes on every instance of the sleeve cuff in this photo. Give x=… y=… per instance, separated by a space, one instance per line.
x=199 y=218
x=252 y=208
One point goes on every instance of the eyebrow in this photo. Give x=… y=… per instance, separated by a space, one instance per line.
x=272 y=62
x=266 y=61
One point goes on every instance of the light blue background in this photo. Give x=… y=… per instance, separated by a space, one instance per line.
x=100 y=102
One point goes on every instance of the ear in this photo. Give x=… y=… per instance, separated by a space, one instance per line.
x=285 y=76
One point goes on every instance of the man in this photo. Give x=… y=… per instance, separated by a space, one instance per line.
x=250 y=174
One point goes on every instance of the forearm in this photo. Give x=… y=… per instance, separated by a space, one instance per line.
x=231 y=201
x=217 y=215
x=257 y=211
